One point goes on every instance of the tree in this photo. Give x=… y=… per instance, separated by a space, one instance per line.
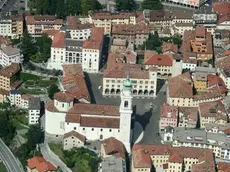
x=27 y=46
x=152 y=5
x=60 y=9
x=52 y=7
x=44 y=44
x=52 y=90
x=153 y=43
x=35 y=136
x=7 y=129
x=73 y=7
x=176 y=39
x=86 y=6
x=126 y=5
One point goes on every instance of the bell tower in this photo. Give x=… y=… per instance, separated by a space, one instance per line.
x=126 y=110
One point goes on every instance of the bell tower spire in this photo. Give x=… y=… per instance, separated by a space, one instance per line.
x=126 y=110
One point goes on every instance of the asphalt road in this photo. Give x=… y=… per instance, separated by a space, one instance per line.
x=148 y=117
x=11 y=163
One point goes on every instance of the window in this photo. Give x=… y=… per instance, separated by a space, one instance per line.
x=110 y=130
x=74 y=128
x=101 y=129
x=126 y=104
x=83 y=129
x=92 y=129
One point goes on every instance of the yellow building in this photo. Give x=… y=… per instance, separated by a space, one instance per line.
x=107 y=19
x=171 y=159
x=9 y=76
x=200 y=81
x=17 y=26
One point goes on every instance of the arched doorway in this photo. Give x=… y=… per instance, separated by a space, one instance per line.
x=140 y=92
x=118 y=91
x=134 y=92
x=112 y=91
x=106 y=91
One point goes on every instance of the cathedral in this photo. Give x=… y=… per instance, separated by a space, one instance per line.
x=94 y=121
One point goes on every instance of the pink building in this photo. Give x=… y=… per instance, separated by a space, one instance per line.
x=168 y=116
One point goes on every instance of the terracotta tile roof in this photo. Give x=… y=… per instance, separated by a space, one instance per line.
x=72 y=69
x=96 y=39
x=215 y=93
x=10 y=70
x=50 y=106
x=107 y=15
x=72 y=118
x=180 y=86
x=214 y=109
x=43 y=19
x=59 y=40
x=224 y=18
x=5 y=41
x=136 y=74
x=75 y=134
x=142 y=153
x=4 y=92
x=167 y=109
x=15 y=84
x=74 y=23
x=169 y=47
x=75 y=85
x=189 y=37
x=130 y=29
x=200 y=31
x=223 y=64
x=112 y=146
x=50 y=32
x=221 y=8
x=63 y=97
x=91 y=45
x=214 y=80
x=117 y=61
x=159 y=60
x=189 y=112
x=40 y=164
x=95 y=109
x=100 y=122
x=223 y=167
x=141 y=158
x=227 y=131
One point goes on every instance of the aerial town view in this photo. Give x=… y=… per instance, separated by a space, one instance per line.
x=114 y=86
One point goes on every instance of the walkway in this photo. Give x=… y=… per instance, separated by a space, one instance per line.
x=10 y=161
x=49 y=155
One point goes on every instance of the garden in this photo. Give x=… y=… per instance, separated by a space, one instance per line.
x=34 y=84
x=78 y=159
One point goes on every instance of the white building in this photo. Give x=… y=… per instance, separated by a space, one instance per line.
x=10 y=54
x=95 y=122
x=77 y=30
x=5 y=27
x=34 y=110
x=64 y=51
x=91 y=51
x=144 y=82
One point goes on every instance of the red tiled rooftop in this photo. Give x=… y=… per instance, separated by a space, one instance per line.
x=112 y=146
x=167 y=109
x=95 y=109
x=40 y=164
x=59 y=40
x=75 y=134
x=63 y=97
x=169 y=47
x=223 y=167
x=159 y=60
x=102 y=122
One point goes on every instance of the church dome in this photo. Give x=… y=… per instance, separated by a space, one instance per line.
x=127 y=84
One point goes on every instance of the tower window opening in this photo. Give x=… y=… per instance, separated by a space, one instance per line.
x=126 y=104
